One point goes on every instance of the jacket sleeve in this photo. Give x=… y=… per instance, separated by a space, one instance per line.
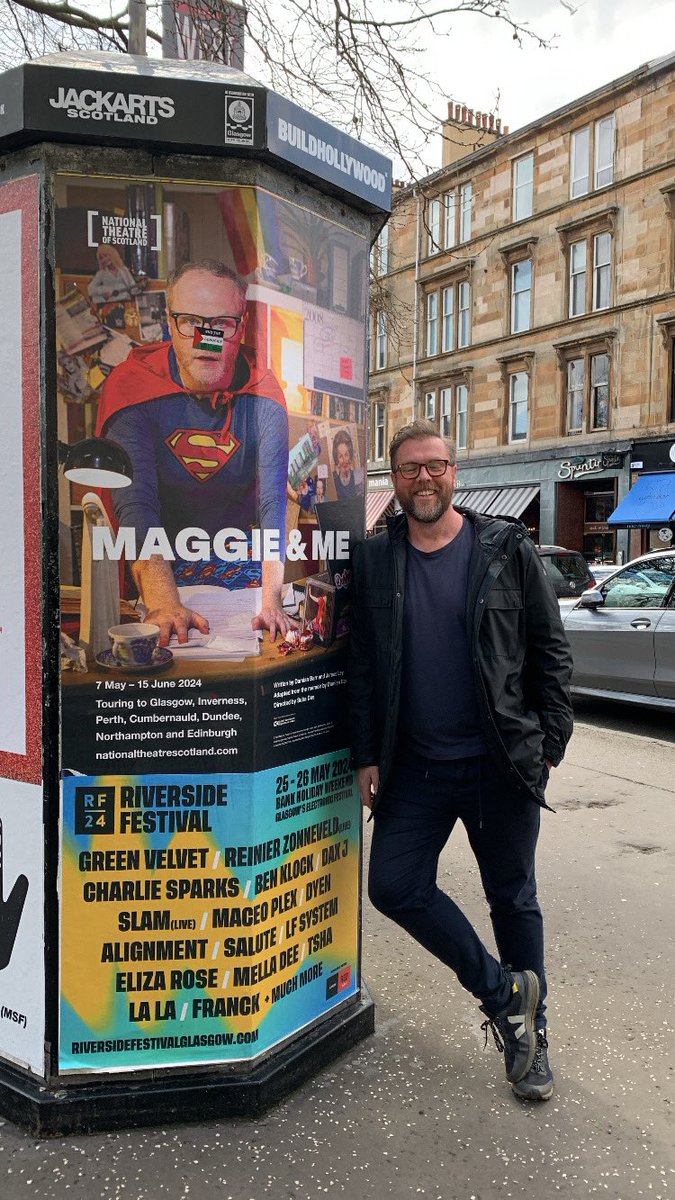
x=364 y=741
x=548 y=659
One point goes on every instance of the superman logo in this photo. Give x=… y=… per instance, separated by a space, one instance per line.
x=202 y=453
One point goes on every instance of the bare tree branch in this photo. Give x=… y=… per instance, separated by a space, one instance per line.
x=358 y=63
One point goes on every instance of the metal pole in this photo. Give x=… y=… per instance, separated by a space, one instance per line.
x=137 y=26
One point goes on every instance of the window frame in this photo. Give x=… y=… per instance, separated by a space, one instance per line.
x=431 y=339
x=587 y=351
x=465 y=212
x=379 y=427
x=517 y=188
x=381 y=340
x=597 y=273
x=517 y=293
x=517 y=403
x=592 y=131
x=446 y=404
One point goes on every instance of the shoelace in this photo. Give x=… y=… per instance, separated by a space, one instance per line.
x=490 y=1024
x=538 y=1060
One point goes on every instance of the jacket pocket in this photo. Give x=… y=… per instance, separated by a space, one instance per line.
x=376 y=598
x=502 y=626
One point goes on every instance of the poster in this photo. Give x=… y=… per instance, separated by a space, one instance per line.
x=20 y=486
x=22 y=970
x=210 y=837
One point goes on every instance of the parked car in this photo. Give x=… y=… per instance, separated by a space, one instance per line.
x=622 y=634
x=567 y=569
x=602 y=571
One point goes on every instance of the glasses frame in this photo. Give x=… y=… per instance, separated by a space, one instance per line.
x=206 y=321
x=432 y=475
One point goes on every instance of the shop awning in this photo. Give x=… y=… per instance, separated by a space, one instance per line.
x=650 y=501
x=376 y=502
x=498 y=502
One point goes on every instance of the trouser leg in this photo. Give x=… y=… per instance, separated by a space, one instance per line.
x=413 y=822
x=503 y=836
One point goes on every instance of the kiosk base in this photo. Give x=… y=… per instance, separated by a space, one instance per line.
x=110 y=1103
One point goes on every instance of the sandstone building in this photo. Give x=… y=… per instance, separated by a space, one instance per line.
x=524 y=301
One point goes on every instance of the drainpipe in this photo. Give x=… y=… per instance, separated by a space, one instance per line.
x=416 y=306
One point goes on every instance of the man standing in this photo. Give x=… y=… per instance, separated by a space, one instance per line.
x=207 y=434
x=459 y=690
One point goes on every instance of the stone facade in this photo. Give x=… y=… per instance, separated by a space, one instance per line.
x=549 y=314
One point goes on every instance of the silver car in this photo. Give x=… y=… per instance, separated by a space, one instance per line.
x=622 y=634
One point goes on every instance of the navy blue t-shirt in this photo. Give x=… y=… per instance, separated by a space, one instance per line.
x=439 y=715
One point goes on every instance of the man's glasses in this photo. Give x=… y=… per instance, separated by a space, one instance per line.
x=186 y=323
x=435 y=467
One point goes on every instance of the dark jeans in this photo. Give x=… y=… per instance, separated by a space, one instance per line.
x=413 y=821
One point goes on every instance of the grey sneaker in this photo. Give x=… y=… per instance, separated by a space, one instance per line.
x=513 y=1027
x=537 y=1084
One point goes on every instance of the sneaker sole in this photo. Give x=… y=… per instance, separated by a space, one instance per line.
x=533 y=1004
x=533 y=1093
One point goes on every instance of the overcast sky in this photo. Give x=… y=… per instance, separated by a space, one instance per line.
x=601 y=41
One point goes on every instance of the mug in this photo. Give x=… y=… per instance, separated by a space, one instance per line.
x=134 y=645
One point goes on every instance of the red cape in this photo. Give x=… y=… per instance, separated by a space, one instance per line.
x=146 y=375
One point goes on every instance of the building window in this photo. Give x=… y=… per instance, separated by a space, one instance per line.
x=580 y=158
x=589 y=247
x=592 y=143
x=462 y=410
x=438 y=406
x=599 y=391
x=381 y=341
x=577 y=279
x=380 y=253
x=446 y=411
x=587 y=382
x=519 y=388
x=450 y=222
x=466 y=205
x=521 y=295
x=379 y=427
x=434 y=227
x=523 y=187
x=604 y=151
x=602 y=270
x=464 y=315
x=448 y=319
x=575 y=395
x=432 y=323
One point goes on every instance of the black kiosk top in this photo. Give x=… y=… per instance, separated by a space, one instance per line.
x=186 y=108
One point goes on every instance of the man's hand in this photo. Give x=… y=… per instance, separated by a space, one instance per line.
x=274 y=618
x=368 y=779
x=272 y=615
x=157 y=586
x=176 y=619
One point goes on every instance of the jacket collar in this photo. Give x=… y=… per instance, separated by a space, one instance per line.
x=491 y=532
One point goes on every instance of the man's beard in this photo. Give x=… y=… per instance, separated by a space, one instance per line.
x=428 y=512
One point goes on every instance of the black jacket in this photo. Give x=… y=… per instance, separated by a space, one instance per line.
x=520 y=655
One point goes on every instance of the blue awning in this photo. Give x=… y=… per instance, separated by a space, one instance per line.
x=650 y=501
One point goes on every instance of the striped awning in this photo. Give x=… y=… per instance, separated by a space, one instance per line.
x=376 y=503
x=498 y=502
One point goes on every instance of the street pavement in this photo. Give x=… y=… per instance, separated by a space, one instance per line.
x=422 y=1109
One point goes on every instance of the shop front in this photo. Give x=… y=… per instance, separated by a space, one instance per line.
x=562 y=500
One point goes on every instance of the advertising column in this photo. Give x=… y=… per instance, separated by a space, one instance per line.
x=22 y=969
x=210 y=849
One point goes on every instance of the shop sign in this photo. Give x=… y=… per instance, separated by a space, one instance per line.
x=576 y=468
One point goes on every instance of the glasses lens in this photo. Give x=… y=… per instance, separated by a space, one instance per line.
x=227 y=325
x=409 y=470
x=437 y=466
x=186 y=323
